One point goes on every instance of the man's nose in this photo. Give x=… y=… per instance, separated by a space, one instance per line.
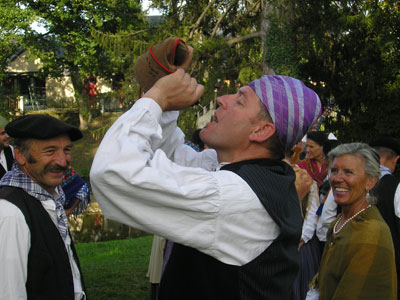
x=224 y=100
x=62 y=159
x=220 y=102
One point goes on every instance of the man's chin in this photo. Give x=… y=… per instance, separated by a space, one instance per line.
x=56 y=179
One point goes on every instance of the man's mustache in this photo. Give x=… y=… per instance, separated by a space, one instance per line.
x=55 y=168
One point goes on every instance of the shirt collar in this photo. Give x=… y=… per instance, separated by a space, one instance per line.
x=220 y=165
x=17 y=178
x=384 y=171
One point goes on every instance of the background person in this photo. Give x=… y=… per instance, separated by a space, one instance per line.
x=232 y=212
x=387 y=192
x=310 y=254
x=6 y=150
x=155 y=265
x=37 y=256
x=314 y=161
x=77 y=193
x=328 y=209
x=358 y=259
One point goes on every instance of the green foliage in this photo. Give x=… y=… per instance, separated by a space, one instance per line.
x=351 y=51
x=347 y=50
x=208 y=26
x=98 y=133
x=187 y=121
x=14 y=26
x=247 y=74
x=74 y=41
x=84 y=149
x=280 y=52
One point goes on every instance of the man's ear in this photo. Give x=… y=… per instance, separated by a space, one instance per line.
x=262 y=132
x=19 y=156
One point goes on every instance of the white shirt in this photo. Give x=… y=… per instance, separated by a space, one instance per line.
x=396 y=200
x=328 y=215
x=144 y=176
x=15 y=244
x=3 y=160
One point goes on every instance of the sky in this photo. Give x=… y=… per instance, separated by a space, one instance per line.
x=152 y=12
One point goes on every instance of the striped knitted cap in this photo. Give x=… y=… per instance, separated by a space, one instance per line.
x=293 y=107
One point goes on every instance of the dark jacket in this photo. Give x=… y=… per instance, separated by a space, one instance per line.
x=9 y=159
x=49 y=271
x=384 y=192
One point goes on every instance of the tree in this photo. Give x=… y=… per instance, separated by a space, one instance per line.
x=70 y=42
x=230 y=38
x=14 y=23
x=350 y=49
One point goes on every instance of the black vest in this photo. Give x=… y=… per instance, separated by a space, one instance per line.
x=9 y=159
x=385 y=191
x=191 y=274
x=49 y=271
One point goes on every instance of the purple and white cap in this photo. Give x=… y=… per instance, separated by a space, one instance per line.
x=293 y=107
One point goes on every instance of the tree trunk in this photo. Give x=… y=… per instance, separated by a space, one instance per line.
x=81 y=99
x=266 y=10
x=83 y=124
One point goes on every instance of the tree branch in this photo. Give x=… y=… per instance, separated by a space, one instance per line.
x=197 y=24
x=243 y=38
x=221 y=18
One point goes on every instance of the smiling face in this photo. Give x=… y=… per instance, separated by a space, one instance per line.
x=46 y=161
x=349 y=181
x=235 y=120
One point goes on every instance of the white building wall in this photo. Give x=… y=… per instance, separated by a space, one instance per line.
x=24 y=64
x=60 y=88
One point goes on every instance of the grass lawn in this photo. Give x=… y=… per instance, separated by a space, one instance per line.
x=116 y=269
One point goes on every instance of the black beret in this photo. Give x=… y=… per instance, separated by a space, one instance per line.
x=41 y=127
x=387 y=142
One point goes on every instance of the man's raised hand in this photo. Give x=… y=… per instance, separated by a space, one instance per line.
x=175 y=91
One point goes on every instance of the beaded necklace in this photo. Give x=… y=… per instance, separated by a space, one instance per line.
x=337 y=230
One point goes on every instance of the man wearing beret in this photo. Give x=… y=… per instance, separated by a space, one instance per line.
x=231 y=211
x=38 y=259
x=387 y=191
x=6 y=151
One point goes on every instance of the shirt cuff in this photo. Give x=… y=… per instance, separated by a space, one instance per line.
x=151 y=106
